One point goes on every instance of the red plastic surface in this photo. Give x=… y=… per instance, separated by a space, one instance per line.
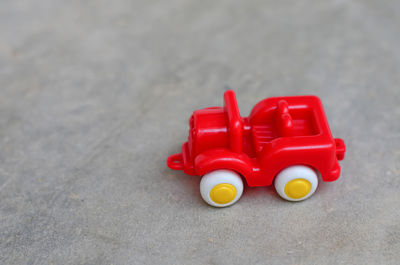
x=280 y=132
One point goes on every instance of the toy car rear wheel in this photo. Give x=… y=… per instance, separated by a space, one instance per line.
x=296 y=183
x=221 y=188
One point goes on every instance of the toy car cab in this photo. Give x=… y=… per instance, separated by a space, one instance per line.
x=285 y=141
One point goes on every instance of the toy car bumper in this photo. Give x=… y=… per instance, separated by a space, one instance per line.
x=335 y=171
x=181 y=161
x=340 y=148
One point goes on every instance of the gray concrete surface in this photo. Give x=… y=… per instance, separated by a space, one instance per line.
x=96 y=94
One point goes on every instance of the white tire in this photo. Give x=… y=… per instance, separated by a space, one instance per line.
x=221 y=188
x=296 y=183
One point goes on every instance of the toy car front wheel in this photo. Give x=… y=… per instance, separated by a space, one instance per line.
x=221 y=188
x=296 y=183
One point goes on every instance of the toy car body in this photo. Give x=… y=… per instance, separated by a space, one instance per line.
x=281 y=133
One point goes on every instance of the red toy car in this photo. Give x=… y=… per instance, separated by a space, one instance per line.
x=286 y=139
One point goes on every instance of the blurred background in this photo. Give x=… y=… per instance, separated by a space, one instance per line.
x=96 y=94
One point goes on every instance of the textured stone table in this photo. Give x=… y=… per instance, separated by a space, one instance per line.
x=96 y=94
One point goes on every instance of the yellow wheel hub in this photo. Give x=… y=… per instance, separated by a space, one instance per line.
x=297 y=188
x=223 y=193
